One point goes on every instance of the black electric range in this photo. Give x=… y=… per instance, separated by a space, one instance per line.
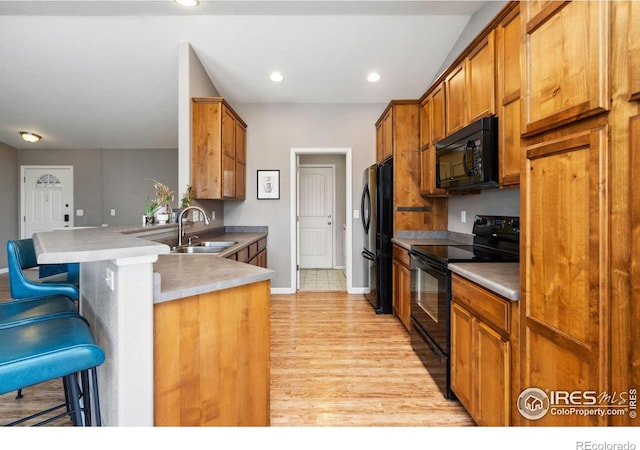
x=496 y=239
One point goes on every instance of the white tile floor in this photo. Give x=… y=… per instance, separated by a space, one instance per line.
x=322 y=280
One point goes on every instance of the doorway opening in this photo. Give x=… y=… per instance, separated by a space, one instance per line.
x=321 y=190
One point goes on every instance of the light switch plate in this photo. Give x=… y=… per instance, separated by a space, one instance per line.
x=356 y=213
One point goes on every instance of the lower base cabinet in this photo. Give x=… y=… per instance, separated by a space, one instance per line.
x=211 y=358
x=401 y=285
x=481 y=352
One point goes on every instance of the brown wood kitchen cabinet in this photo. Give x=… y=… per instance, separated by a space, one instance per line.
x=508 y=88
x=481 y=326
x=385 y=136
x=254 y=254
x=558 y=36
x=218 y=150
x=470 y=86
x=430 y=119
x=412 y=211
x=211 y=358
x=401 y=285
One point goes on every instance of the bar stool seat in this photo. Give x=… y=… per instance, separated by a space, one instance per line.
x=18 y=312
x=58 y=347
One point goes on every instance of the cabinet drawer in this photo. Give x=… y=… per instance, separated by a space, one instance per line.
x=262 y=244
x=243 y=255
x=401 y=255
x=483 y=303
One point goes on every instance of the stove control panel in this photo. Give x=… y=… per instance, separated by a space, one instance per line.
x=496 y=225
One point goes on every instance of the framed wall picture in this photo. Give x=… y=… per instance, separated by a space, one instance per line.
x=268 y=184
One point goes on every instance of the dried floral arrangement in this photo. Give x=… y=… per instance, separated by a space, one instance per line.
x=164 y=197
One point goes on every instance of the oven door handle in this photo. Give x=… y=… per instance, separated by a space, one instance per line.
x=423 y=263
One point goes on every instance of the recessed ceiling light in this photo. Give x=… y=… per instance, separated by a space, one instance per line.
x=276 y=77
x=373 y=77
x=30 y=137
x=188 y=2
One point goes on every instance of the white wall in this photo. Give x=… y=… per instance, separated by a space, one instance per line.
x=272 y=130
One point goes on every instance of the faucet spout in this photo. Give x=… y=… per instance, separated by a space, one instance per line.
x=180 y=226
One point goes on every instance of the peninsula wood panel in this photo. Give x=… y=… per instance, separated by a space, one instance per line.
x=564 y=312
x=565 y=62
x=211 y=358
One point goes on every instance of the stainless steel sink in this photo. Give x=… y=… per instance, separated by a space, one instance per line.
x=211 y=247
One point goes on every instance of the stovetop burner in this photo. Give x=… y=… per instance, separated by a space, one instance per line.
x=496 y=239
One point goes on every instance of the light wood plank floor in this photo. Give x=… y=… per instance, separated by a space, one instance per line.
x=334 y=362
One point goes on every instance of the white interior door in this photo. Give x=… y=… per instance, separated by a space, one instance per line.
x=316 y=217
x=47 y=198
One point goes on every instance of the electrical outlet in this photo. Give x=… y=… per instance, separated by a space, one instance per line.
x=79 y=212
x=463 y=216
x=113 y=212
x=110 y=279
x=213 y=215
x=356 y=213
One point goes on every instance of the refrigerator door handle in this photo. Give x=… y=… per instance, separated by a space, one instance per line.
x=368 y=255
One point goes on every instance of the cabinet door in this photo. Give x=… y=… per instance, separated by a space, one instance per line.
x=241 y=161
x=564 y=316
x=379 y=142
x=228 y=154
x=427 y=149
x=634 y=50
x=438 y=114
x=206 y=172
x=463 y=356
x=493 y=377
x=480 y=96
x=565 y=62
x=456 y=114
x=425 y=122
x=508 y=43
x=387 y=135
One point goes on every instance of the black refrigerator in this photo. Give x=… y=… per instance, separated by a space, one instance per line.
x=384 y=233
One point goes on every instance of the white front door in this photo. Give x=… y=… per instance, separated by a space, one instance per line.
x=46 y=198
x=316 y=198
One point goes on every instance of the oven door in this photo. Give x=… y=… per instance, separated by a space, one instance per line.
x=430 y=289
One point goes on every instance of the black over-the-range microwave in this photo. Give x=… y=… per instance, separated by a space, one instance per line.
x=468 y=158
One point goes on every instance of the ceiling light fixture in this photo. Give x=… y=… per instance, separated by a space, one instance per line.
x=188 y=2
x=276 y=77
x=373 y=77
x=30 y=137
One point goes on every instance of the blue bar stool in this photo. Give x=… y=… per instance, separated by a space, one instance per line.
x=21 y=255
x=51 y=348
x=17 y=312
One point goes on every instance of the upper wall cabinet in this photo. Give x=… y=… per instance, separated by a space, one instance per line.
x=218 y=150
x=470 y=86
x=508 y=87
x=384 y=136
x=565 y=55
x=431 y=118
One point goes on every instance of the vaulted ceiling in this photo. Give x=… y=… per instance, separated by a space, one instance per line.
x=104 y=74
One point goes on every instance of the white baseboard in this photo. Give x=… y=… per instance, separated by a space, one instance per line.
x=5 y=270
x=356 y=290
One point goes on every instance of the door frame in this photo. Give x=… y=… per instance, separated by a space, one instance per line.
x=333 y=207
x=23 y=198
x=293 y=184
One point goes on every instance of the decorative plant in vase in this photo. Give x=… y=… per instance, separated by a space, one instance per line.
x=150 y=210
x=164 y=197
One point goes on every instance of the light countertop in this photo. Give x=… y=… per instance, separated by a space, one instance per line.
x=501 y=278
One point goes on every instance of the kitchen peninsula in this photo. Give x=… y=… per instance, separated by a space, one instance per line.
x=145 y=305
